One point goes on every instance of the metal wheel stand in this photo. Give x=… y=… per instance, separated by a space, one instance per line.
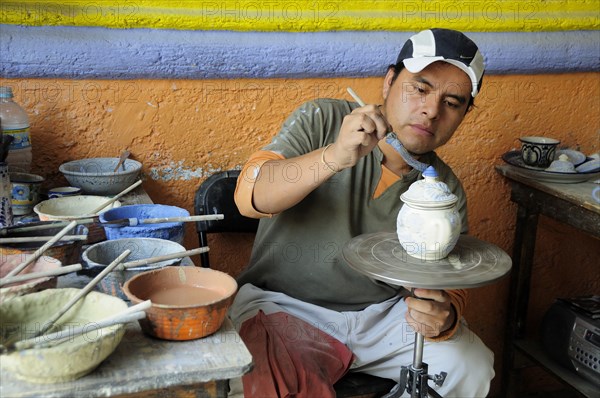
x=414 y=378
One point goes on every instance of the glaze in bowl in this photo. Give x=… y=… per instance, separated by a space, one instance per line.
x=187 y=302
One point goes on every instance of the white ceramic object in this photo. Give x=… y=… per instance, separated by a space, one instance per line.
x=69 y=360
x=97 y=176
x=573 y=156
x=72 y=207
x=513 y=158
x=59 y=192
x=589 y=167
x=562 y=165
x=428 y=224
x=538 y=151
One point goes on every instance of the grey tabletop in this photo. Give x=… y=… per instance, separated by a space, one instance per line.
x=142 y=363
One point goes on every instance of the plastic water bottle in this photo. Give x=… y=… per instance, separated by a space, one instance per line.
x=16 y=123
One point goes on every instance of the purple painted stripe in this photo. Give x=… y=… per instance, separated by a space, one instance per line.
x=73 y=52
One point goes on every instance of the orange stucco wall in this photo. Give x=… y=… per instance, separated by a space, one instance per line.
x=184 y=130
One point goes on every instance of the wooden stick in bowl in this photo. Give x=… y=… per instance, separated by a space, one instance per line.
x=38 y=253
x=43 y=225
x=42 y=274
x=157 y=259
x=28 y=239
x=131 y=314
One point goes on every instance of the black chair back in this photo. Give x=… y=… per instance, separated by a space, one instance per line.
x=215 y=196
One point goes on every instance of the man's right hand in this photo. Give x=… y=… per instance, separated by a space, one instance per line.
x=360 y=132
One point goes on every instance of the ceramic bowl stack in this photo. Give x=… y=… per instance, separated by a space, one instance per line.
x=187 y=302
x=97 y=176
x=68 y=360
x=98 y=256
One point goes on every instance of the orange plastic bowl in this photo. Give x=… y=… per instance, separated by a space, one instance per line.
x=187 y=302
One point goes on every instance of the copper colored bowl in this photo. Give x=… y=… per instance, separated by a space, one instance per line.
x=187 y=302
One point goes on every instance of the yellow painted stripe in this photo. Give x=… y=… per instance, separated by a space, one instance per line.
x=308 y=15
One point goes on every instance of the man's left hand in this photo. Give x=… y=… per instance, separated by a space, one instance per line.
x=430 y=312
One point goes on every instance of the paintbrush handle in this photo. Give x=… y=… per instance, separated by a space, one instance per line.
x=43 y=226
x=207 y=217
x=27 y=239
x=116 y=197
x=83 y=292
x=355 y=96
x=132 y=222
x=42 y=274
x=151 y=260
x=37 y=254
x=60 y=336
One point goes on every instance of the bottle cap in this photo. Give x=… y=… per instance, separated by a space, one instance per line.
x=6 y=92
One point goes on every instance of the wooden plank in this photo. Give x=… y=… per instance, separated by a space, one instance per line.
x=579 y=194
x=138 y=196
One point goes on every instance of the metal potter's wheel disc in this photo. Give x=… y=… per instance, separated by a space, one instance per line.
x=471 y=263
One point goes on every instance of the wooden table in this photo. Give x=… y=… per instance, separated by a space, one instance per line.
x=148 y=367
x=143 y=366
x=571 y=204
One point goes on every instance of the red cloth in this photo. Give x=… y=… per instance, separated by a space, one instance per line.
x=291 y=358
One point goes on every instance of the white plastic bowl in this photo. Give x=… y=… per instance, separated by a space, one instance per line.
x=97 y=176
x=72 y=207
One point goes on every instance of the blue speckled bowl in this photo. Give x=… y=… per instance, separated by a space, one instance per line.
x=96 y=176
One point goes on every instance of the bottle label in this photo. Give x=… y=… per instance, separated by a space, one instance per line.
x=21 y=140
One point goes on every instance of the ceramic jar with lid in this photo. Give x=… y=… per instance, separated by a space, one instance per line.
x=428 y=224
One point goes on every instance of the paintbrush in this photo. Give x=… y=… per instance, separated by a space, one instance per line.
x=122 y=222
x=392 y=139
x=132 y=222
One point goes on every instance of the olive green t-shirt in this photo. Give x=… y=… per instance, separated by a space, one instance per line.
x=299 y=251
